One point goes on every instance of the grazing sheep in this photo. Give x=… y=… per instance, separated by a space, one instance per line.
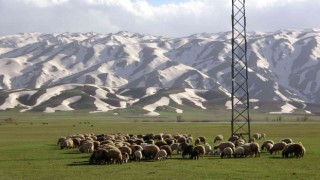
x=187 y=151
x=175 y=147
x=96 y=144
x=160 y=143
x=218 y=138
x=182 y=140
x=125 y=149
x=256 y=136
x=207 y=148
x=138 y=155
x=265 y=144
x=76 y=142
x=194 y=155
x=239 y=142
x=67 y=143
x=287 y=140
x=113 y=156
x=158 y=137
x=223 y=145
x=239 y=152
x=196 y=141
x=227 y=152
x=269 y=147
x=263 y=135
x=150 y=151
x=87 y=147
x=252 y=139
x=139 y=141
x=233 y=139
x=295 y=149
x=135 y=148
x=254 y=147
x=202 y=139
x=201 y=150
x=98 y=156
x=277 y=147
x=125 y=157
x=182 y=147
x=247 y=149
x=170 y=141
x=167 y=148
x=161 y=155
x=60 y=140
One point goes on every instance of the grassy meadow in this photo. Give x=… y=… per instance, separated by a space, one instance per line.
x=29 y=150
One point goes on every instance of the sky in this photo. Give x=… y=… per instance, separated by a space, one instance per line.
x=170 y=18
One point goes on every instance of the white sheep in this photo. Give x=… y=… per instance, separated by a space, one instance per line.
x=227 y=152
x=207 y=148
x=138 y=155
x=218 y=138
x=87 y=147
x=161 y=155
x=239 y=152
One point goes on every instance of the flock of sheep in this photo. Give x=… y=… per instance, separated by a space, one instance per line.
x=119 y=148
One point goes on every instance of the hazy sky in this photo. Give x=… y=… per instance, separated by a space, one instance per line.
x=158 y=17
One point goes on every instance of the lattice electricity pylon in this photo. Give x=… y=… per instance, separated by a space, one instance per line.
x=240 y=122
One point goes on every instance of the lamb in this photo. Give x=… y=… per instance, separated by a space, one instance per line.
x=201 y=150
x=218 y=138
x=239 y=152
x=67 y=143
x=287 y=140
x=223 y=145
x=87 y=147
x=138 y=155
x=265 y=144
x=295 y=149
x=227 y=152
x=161 y=155
x=150 y=151
x=278 y=147
x=167 y=148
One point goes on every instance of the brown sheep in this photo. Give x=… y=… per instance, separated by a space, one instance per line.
x=139 y=141
x=295 y=149
x=96 y=144
x=287 y=140
x=60 y=140
x=125 y=149
x=202 y=139
x=200 y=149
x=277 y=147
x=113 y=156
x=196 y=141
x=223 y=145
x=150 y=151
x=170 y=141
x=76 y=142
x=175 y=147
x=160 y=143
x=254 y=147
x=168 y=149
x=182 y=140
x=98 y=156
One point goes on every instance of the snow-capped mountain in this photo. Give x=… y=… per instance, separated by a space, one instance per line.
x=284 y=66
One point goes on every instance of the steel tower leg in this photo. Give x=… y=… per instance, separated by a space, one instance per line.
x=240 y=122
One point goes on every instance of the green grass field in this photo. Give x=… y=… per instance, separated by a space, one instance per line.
x=28 y=150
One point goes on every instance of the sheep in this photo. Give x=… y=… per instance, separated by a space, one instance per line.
x=174 y=147
x=125 y=149
x=265 y=144
x=150 y=151
x=256 y=136
x=223 y=145
x=239 y=142
x=167 y=148
x=160 y=143
x=113 y=156
x=207 y=148
x=161 y=155
x=182 y=140
x=287 y=140
x=254 y=147
x=194 y=155
x=277 y=147
x=98 y=156
x=60 y=140
x=247 y=149
x=169 y=141
x=196 y=141
x=201 y=150
x=187 y=151
x=227 y=152
x=67 y=143
x=239 y=152
x=263 y=135
x=295 y=149
x=139 y=141
x=87 y=147
x=76 y=141
x=269 y=146
x=233 y=139
x=202 y=139
x=135 y=148
x=182 y=147
x=138 y=155
x=252 y=139
x=96 y=144
x=190 y=139
x=125 y=157
x=218 y=138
